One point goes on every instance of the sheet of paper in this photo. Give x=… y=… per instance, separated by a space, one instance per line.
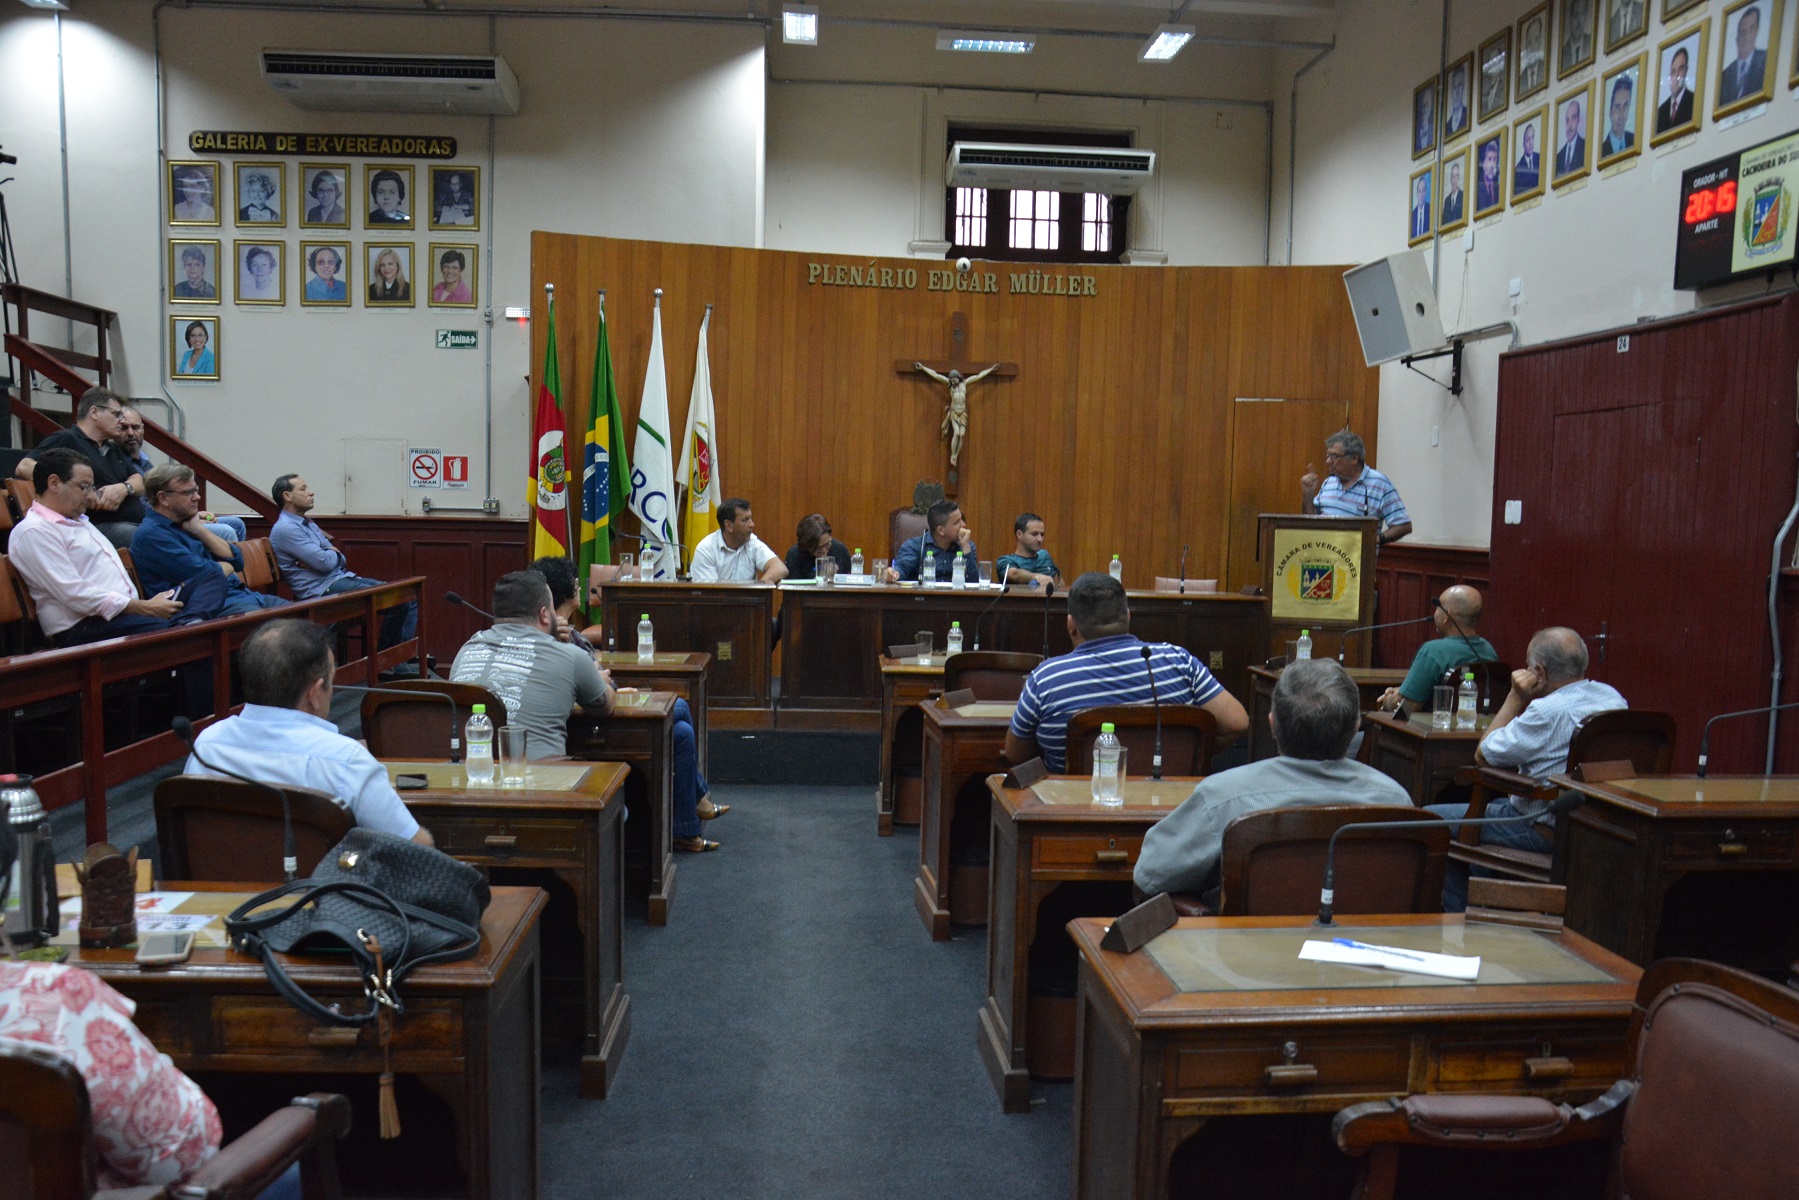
x=1393 y=958
x=173 y=923
x=161 y=902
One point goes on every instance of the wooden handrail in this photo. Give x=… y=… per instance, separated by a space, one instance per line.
x=32 y=299
x=83 y=672
x=34 y=357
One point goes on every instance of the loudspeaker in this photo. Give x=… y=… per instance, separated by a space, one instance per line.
x=1395 y=309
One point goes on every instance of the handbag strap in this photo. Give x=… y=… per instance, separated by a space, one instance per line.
x=246 y=931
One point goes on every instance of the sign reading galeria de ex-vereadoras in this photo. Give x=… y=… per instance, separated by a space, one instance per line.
x=1317 y=574
x=342 y=145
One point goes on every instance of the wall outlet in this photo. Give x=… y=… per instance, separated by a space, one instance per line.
x=1436 y=438
x=1514 y=512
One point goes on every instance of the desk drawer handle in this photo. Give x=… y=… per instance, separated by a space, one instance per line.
x=1112 y=856
x=1730 y=846
x=340 y=1037
x=1548 y=1067
x=1292 y=1074
x=500 y=841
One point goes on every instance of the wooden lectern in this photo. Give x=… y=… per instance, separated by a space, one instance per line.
x=1318 y=573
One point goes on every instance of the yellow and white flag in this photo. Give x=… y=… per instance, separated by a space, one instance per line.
x=699 y=455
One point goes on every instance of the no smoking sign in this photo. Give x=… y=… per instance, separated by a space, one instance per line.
x=424 y=467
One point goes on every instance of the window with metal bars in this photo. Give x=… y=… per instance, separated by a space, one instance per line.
x=1032 y=226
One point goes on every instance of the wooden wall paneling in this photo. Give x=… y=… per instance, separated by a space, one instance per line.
x=1408 y=577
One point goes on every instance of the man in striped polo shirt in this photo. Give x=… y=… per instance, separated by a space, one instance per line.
x=1352 y=488
x=1106 y=667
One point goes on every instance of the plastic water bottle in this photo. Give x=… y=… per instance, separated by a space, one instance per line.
x=957 y=570
x=1305 y=645
x=1116 y=569
x=646 y=639
x=856 y=562
x=479 y=736
x=1108 y=788
x=927 y=574
x=954 y=644
x=1466 y=698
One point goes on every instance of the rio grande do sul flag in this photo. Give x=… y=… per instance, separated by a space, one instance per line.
x=549 y=467
x=699 y=455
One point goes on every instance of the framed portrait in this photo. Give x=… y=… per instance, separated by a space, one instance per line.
x=1527 y=159
x=193 y=192
x=1533 y=52
x=1452 y=205
x=194 y=270
x=1424 y=117
x=1748 y=35
x=1625 y=21
x=1573 y=127
x=1495 y=74
x=387 y=194
x=455 y=197
x=1679 y=81
x=454 y=280
x=260 y=277
x=1621 y=110
x=261 y=194
x=1458 y=98
x=389 y=267
x=193 y=347
x=325 y=266
x=1490 y=169
x=1578 y=21
x=1421 y=219
x=324 y=187
x=1673 y=8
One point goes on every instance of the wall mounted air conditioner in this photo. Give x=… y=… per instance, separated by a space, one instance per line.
x=1108 y=169
x=329 y=81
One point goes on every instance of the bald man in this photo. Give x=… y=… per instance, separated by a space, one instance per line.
x=1458 y=641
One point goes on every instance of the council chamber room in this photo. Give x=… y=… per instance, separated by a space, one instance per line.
x=871 y=599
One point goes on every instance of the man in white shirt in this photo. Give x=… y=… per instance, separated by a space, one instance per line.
x=734 y=554
x=285 y=735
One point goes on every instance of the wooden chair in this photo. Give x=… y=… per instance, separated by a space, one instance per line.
x=1711 y=1107
x=404 y=728
x=131 y=570
x=1168 y=583
x=989 y=674
x=1187 y=733
x=229 y=831
x=47 y=1147
x=22 y=495
x=902 y=526
x=1273 y=862
x=261 y=572
x=18 y=618
x=1641 y=737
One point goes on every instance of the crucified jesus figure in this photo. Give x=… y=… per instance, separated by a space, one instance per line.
x=955 y=418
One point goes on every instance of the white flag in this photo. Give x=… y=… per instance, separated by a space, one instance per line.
x=699 y=455
x=653 y=468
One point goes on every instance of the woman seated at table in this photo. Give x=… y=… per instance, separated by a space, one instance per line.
x=813 y=541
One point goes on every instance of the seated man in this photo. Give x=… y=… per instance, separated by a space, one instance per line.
x=733 y=553
x=131 y=440
x=117 y=502
x=1029 y=563
x=811 y=542
x=1106 y=667
x=172 y=547
x=77 y=580
x=945 y=534
x=1458 y=642
x=284 y=735
x=313 y=567
x=1530 y=734
x=1316 y=712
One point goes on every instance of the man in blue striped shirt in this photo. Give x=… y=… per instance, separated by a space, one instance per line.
x=1106 y=667
x=1352 y=488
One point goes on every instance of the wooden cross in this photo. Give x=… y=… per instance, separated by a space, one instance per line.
x=959 y=362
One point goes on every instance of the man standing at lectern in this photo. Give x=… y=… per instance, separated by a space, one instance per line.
x=1353 y=488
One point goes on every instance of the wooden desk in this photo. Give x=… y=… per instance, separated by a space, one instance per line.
x=905 y=684
x=470 y=1031
x=1156 y=1063
x=732 y=622
x=1678 y=865
x=1370 y=682
x=639 y=732
x=961 y=748
x=565 y=820
x=1045 y=836
x=1421 y=759
x=683 y=674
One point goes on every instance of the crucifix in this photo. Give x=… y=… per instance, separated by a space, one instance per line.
x=956 y=372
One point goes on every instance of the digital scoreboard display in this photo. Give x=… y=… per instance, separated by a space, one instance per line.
x=1736 y=215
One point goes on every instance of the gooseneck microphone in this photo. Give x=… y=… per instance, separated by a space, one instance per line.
x=290 y=856
x=1182 y=589
x=455 y=598
x=1706 y=737
x=1155 y=761
x=1049 y=589
x=1566 y=802
x=414 y=694
x=1004 y=584
x=1343 y=641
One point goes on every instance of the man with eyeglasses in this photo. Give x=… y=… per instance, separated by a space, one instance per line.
x=174 y=549
x=116 y=507
x=131 y=441
x=1352 y=488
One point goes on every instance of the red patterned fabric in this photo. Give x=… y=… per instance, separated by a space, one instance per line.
x=152 y=1124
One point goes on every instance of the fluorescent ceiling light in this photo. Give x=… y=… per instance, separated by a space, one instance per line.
x=58 y=5
x=1165 y=43
x=984 y=43
x=799 y=24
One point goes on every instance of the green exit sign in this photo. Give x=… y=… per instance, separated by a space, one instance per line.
x=456 y=339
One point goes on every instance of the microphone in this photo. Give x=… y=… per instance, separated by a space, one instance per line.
x=656 y=543
x=1155 y=762
x=1566 y=802
x=1344 y=640
x=454 y=598
x=1182 y=590
x=1004 y=584
x=290 y=856
x=414 y=694
x=1049 y=589
x=1706 y=737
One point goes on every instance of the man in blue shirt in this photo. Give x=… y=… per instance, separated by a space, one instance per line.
x=130 y=439
x=171 y=546
x=1354 y=489
x=1029 y=563
x=946 y=534
x=313 y=567
x=1106 y=667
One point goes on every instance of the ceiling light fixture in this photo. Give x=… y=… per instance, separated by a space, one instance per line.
x=1166 y=42
x=57 y=5
x=799 y=24
x=983 y=42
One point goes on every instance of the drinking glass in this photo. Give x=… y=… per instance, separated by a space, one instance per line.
x=512 y=755
x=924 y=638
x=1442 y=706
x=626 y=567
x=986 y=573
x=826 y=570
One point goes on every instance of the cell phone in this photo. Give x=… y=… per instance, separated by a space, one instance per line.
x=411 y=783
x=165 y=949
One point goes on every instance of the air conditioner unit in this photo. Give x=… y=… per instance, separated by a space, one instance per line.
x=327 y=81
x=1110 y=170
